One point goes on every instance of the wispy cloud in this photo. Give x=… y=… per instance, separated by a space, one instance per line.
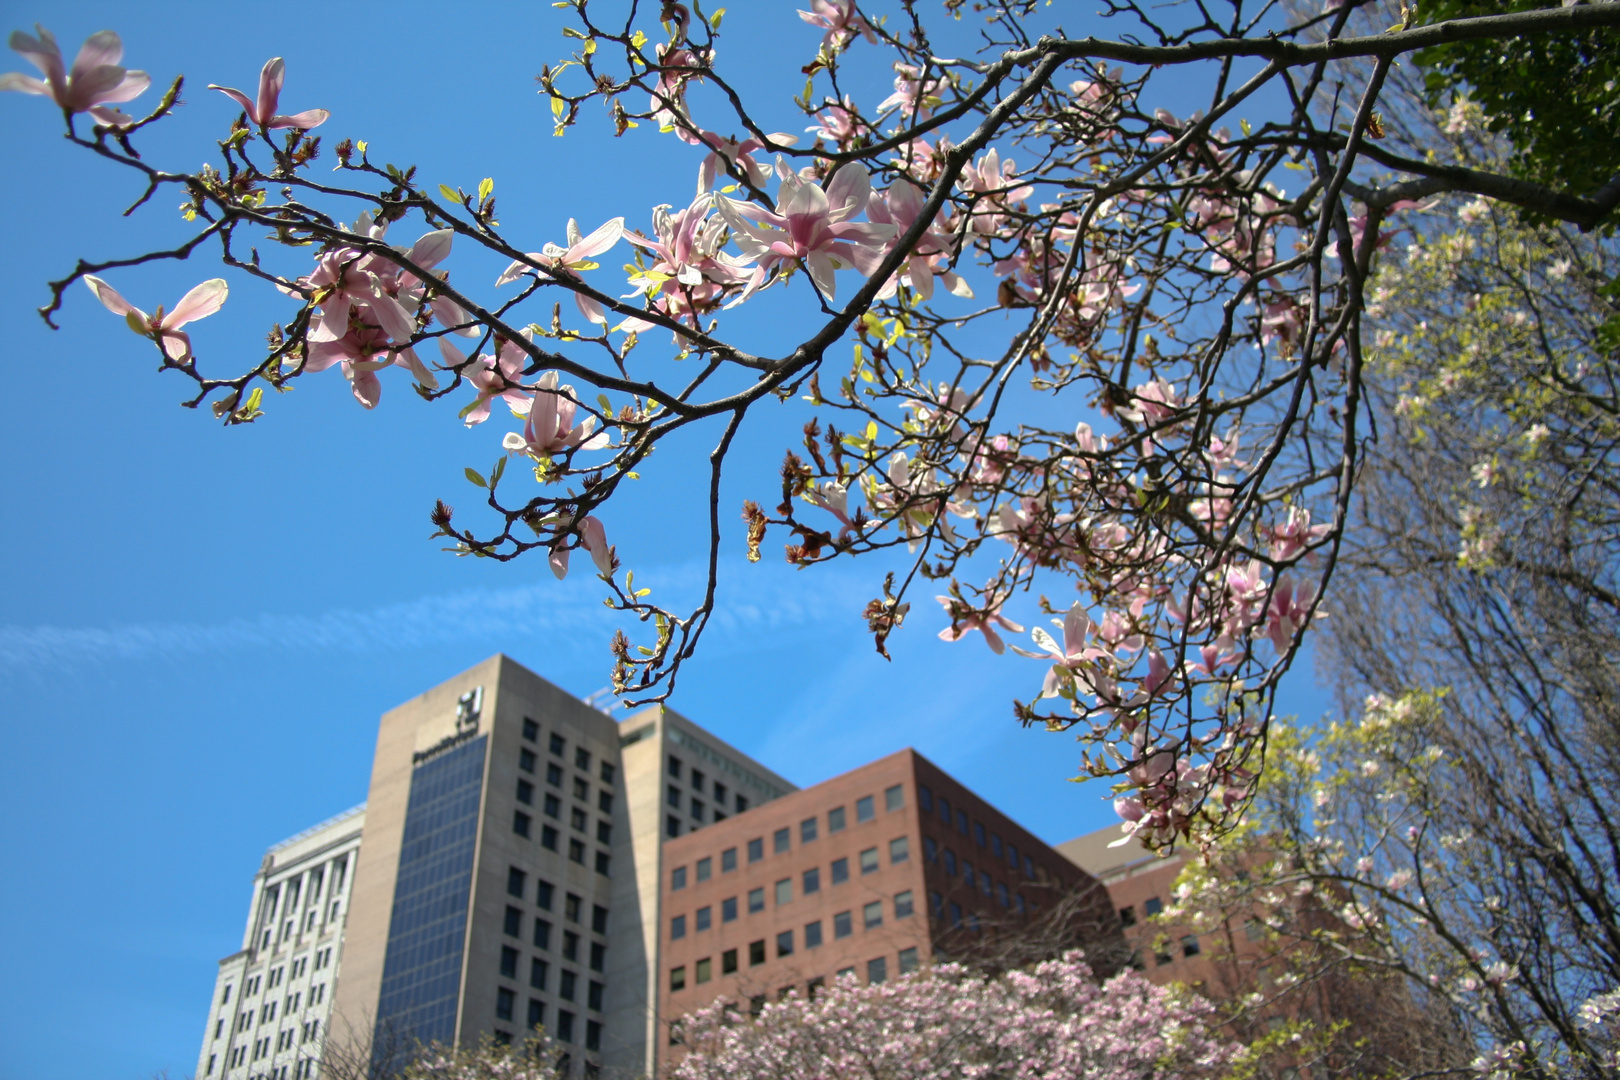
x=760 y=598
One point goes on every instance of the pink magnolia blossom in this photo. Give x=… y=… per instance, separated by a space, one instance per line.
x=1075 y=651
x=1289 y=611
x=839 y=19
x=900 y=206
x=164 y=327
x=736 y=155
x=594 y=540
x=914 y=96
x=1293 y=534
x=839 y=124
x=568 y=261
x=690 y=273
x=499 y=376
x=263 y=111
x=356 y=287
x=96 y=79
x=811 y=225
x=996 y=183
x=549 y=427
x=965 y=619
x=676 y=66
x=360 y=354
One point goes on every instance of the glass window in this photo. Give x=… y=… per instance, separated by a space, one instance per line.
x=962 y=822
x=978 y=833
x=1189 y=945
x=576 y=851
x=604 y=833
x=967 y=874
x=582 y=790
x=599 y=916
x=1152 y=905
x=598 y=956
x=509 y=962
x=812 y=880
x=525 y=792
x=554 y=775
x=577 y=818
x=677 y=927
x=526 y=760
x=604 y=801
x=812 y=934
x=677 y=978
x=779 y=840
x=908 y=960
x=902 y=904
x=950 y=862
x=538 y=969
x=784 y=891
x=869 y=860
x=956 y=913
x=843 y=924
x=899 y=849
x=865 y=809
x=521 y=823
x=872 y=915
x=537 y=1013
x=728 y=909
x=552 y=806
x=1012 y=857
x=742 y=803
x=582 y=758
x=672 y=826
x=925 y=798
x=557 y=744
x=672 y=795
x=565 y=1026
x=567 y=984
x=835 y=819
x=697 y=810
x=756 y=900
x=728 y=962
x=571 y=907
x=945 y=810
x=705 y=970
x=995 y=845
x=1252 y=929
x=514 y=921
x=542 y=934
x=936 y=903
x=720 y=791
x=756 y=849
x=504 y=1000
x=1001 y=895
x=1029 y=868
x=570 y=949
x=674 y=766
x=756 y=952
x=728 y=860
x=894 y=798
x=607 y=772
x=543 y=893
x=930 y=849
x=807 y=830
x=704 y=917
x=593 y=1041
x=877 y=970
x=784 y=943
x=840 y=871
x=517 y=882
x=697 y=780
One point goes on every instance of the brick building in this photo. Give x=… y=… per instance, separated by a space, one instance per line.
x=871 y=873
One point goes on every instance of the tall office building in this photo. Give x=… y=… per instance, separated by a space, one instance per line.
x=273 y=997
x=519 y=863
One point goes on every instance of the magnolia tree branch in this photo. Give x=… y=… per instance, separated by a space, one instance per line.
x=1193 y=296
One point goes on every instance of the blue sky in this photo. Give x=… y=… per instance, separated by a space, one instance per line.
x=199 y=627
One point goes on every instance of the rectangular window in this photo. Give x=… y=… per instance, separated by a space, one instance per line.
x=598 y=959
x=576 y=851
x=516 y=881
x=672 y=826
x=728 y=909
x=1189 y=945
x=703 y=917
x=877 y=970
x=537 y=1013
x=607 y=773
x=728 y=962
x=784 y=892
x=756 y=900
x=908 y=960
x=593 y=1039
x=697 y=811
x=677 y=928
x=899 y=849
x=930 y=849
x=728 y=860
x=674 y=767
x=538 y=969
x=582 y=790
x=936 y=904
x=945 y=810
x=582 y=758
x=514 y=921
x=604 y=833
x=599 y=917
x=902 y=904
x=509 y=962
x=872 y=915
x=525 y=792
x=548 y=837
x=835 y=819
x=705 y=868
x=894 y=798
x=520 y=823
x=869 y=860
x=812 y=935
x=780 y=839
x=593 y=997
x=570 y=949
x=812 y=880
x=672 y=795
x=865 y=810
x=961 y=822
x=604 y=801
x=567 y=983
x=603 y=862
x=543 y=893
x=968 y=877
x=956 y=913
x=978 y=833
x=756 y=952
x=840 y=871
x=565 y=1027
x=1001 y=895
x=1252 y=929
x=677 y=879
x=504 y=1000
x=526 y=760
x=925 y=798
x=542 y=934
x=742 y=803
x=554 y=775
x=756 y=849
x=807 y=830
x=1152 y=905
x=552 y=806
x=531 y=730
x=784 y=943
x=557 y=744
x=950 y=862
x=843 y=924
x=697 y=779
x=572 y=906
x=995 y=845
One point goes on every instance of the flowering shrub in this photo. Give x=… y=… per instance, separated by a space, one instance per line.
x=1053 y=1021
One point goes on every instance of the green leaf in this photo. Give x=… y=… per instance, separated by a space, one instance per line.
x=486 y=187
x=472 y=475
x=607 y=406
x=451 y=193
x=638 y=39
x=714 y=20
x=496 y=473
x=557 y=107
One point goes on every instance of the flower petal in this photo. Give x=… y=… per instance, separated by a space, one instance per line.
x=199 y=303
x=109 y=297
x=271 y=77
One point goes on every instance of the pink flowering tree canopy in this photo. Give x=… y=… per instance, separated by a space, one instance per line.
x=1054 y=1021
x=1167 y=234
